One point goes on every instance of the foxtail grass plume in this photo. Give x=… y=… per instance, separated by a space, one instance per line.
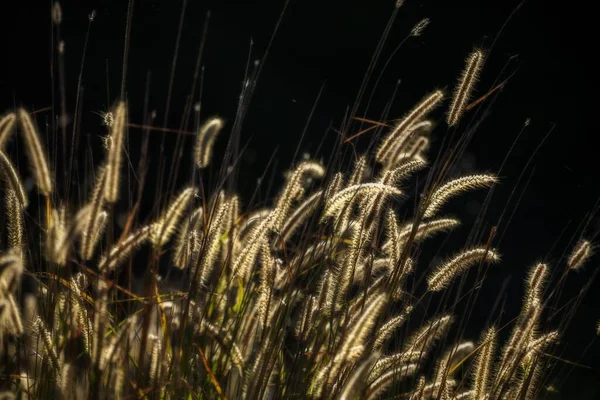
x=353 y=345
x=166 y=226
x=464 y=89
x=416 y=149
x=205 y=141
x=338 y=202
x=540 y=344
x=356 y=382
x=188 y=239
x=36 y=154
x=48 y=343
x=483 y=364
x=7 y=126
x=445 y=272
x=115 y=153
x=400 y=131
x=10 y=176
x=535 y=282
x=401 y=172
x=445 y=192
x=409 y=146
x=121 y=251
x=15 y=225
x=11 y=271
x=428 y=228
x=418 y=29
x=93 y=222
x=217 y=227
x=294 y=190
x=393 y=324
x=416 y=348
x=385 y=380
x=580 y=255
x=10 y=316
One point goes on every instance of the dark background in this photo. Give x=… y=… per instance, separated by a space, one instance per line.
x=327 y=45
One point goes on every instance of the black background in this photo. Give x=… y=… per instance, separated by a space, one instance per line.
x=328 y=45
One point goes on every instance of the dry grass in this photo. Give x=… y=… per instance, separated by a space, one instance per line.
x=317 y=295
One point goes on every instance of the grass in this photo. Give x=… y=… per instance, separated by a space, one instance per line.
x=328 y=290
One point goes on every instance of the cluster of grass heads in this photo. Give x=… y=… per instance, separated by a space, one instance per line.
x=320 y=294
